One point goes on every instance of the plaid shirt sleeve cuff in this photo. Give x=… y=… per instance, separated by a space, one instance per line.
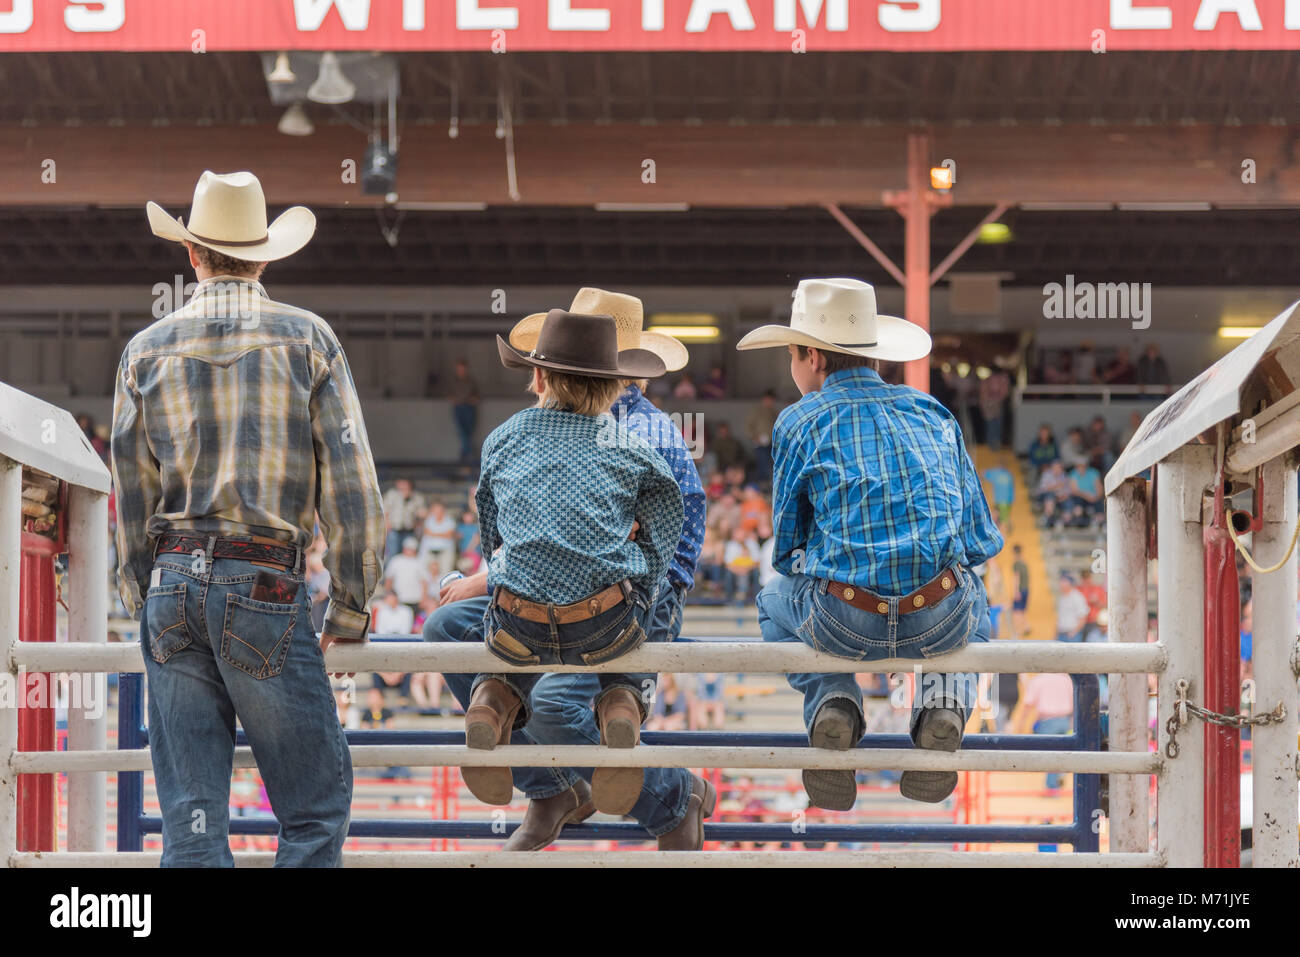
x=345 y=624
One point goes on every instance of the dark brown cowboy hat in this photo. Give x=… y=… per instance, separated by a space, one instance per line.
x=582 y=345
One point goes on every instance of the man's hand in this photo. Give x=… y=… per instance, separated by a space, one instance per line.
x=470 y=587
x=636 y=526
x=326 y=640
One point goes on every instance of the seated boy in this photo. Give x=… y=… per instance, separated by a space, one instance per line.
x=878 y=518
x=581 y=519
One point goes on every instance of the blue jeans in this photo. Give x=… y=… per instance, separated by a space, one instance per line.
x=561 y=713
x=212 y=655
x=799 y=608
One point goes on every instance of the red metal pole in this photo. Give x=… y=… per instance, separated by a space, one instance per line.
x=37 y=798
x=916 y=260
x=1222 y=693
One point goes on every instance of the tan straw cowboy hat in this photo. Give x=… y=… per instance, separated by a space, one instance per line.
x=228 y=215
x=626 y=312
x=839 y=315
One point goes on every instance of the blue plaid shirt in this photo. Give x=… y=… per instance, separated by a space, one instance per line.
x=558 y=494
x=639 y=415
x=873 y=484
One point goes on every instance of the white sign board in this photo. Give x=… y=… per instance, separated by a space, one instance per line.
x=48 y=438
x=1210 y=398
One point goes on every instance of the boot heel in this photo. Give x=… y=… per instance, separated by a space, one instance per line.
x=481 y=736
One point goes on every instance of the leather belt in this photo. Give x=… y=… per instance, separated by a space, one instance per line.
x=929 y=594
x=582 y=610
x=246 y=549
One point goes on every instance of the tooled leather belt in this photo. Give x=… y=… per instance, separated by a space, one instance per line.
x=242 y=548
x=581 y=610
x=932 y=592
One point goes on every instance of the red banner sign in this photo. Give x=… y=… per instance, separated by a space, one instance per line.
x=776 y=25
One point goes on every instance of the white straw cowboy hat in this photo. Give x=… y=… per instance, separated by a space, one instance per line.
x=839 y=315
x=627 y=313
x=228 y=215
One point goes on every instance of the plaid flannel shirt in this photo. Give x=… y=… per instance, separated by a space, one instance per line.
x=236 y=415
x=871 y=482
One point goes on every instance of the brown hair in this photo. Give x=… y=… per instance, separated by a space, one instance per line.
x=583 y=394
x=219 y=264
x=836 y=361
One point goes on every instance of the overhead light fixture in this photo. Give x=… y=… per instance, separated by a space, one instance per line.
x=993 y=233
x=1238 y=332
x=690 y=333
x=942 y=178
x=331 y=85
x=296 y=122
x=283 y=73
x=379 y=176
x=642 y=207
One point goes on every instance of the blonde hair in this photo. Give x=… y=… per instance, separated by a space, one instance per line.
x=583 y=394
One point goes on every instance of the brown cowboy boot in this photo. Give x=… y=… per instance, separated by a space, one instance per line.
x=546 y=817
x=489 y=719
x=615 y=790
x=689 y=834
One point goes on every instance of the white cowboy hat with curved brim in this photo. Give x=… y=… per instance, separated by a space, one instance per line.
x=839 y=315
x=627 y=313
x=228 y=215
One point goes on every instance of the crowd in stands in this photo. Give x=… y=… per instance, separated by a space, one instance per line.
x=1067 y=474
x=1085 y=366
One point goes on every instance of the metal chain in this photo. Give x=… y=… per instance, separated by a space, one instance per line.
x=1183 y=708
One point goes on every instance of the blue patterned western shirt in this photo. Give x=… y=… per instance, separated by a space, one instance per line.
x=873 y=484
x=557 y=497
x=640 y=416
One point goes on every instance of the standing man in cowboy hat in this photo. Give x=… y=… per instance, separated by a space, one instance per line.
x=670 y=803
x=878 y=516
x=235 y=427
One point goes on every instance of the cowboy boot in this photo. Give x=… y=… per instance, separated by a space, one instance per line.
x=546 y=817
x=940 y=729
x=615 y=790
x=835 y=727
x=489 y=720
x=689 y=834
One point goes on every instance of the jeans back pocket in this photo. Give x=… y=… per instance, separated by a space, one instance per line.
x=509 y=648
x=256 y=635
x=165 y=611
x=631 y=637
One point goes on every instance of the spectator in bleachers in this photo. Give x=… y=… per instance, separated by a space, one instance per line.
x=1121 y=370
x=995 y=586
x=1071 y=611
x=993 y=393
x=755 y=513
x=759 y=429
x=1095 y=595
x=1046 y=708
x=1130 y=430
x=671 y=710
x=1085 y=504
x=438 y=537
x=1100 y=443
x=407 y=577
x=1085 y=365
x=403 y=510
x=685 y=388
x=1020 y=576
x=392 y=617
x=741 y=557
x=1074 y=449
x=1051 y=493
x=715 y=386
x=1043 y=450
x=1062 y=373
x=1004 y=491
x=1151 y=368
x=467 y=536
x=464 y=408
x=726 y=448
x=709 y=707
